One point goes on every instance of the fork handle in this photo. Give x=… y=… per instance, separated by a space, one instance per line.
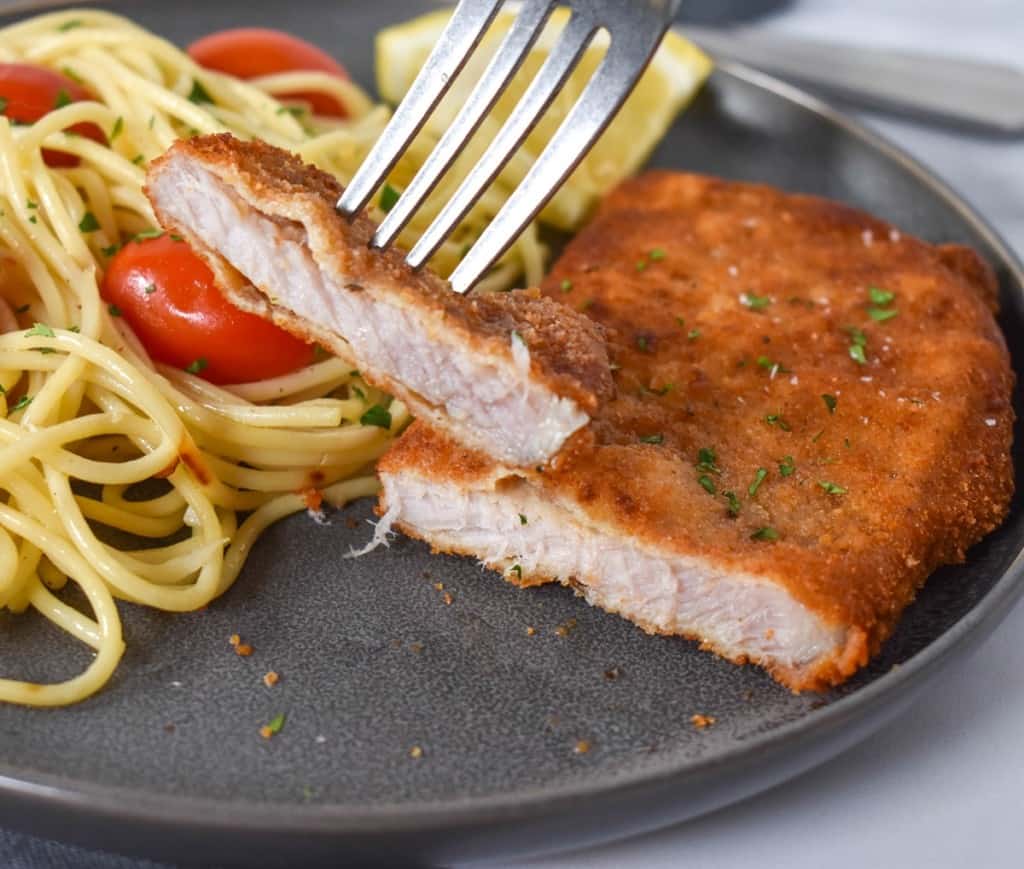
x=971 y=92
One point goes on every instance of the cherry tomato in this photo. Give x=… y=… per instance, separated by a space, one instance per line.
x=250 y=52
x=169 y=297
x=29 y=92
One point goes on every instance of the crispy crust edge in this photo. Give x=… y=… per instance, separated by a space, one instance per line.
x=567 y=351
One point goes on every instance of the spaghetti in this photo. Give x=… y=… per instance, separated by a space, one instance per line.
x=86 y=416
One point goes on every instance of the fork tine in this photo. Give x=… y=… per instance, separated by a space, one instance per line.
x=503 y=66
x=542 y=90
x=601 y=99
x=463 y=33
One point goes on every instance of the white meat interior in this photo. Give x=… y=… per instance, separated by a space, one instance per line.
x=488 y=400
x=737 y=614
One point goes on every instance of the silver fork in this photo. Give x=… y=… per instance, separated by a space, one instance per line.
x=635 y=28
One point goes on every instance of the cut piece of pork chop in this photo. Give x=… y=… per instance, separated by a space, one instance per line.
x=513 y=374
x=812 y=414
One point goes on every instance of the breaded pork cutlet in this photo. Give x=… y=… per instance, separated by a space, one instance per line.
x=813 y=414
x=512 y=374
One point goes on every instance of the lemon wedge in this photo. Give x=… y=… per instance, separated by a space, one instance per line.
x=676 y=73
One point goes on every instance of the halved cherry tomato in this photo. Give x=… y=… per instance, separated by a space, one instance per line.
x=29 y=92
x=250 y=52
x=169 y=297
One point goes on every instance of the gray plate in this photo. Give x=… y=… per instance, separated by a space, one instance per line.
x=373 y=661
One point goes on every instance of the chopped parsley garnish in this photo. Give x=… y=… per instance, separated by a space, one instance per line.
x=388 y=197
x=199 y=94
x=767 y=534
x=653 y=439
x=787 y=467
x=44 y=331
x=23 y=402
x=830 y=402
x=148 y=234
x=643 y=344
x=117 y=129
x=69 y=25
x=779 y=420
x=114 y=311
x=110 y=251
x=151 y=288
x=517 y=570
x=33 y=219
x=276 y=724
x=693 y=334
x=755 y=303
x=71 y=74
x=734 y=503
x=707 y=484
x=40 y=329
x=63 y=99
x=294 y=111
x=3 y=104
x=377 y=415
x=196 y=365
x=758 y=480
x=680 y=322
x=89 y=223
x=880 y=297
x=880 y=315
x=879 y=310
x=641 y=264
x=656 y=254
x=137 y=159
x=30 y=204
x=662 y=390
x=522 y=519
x=858 y=341
x=831 y=488
x=566 y=286
x=706 y=461
x=771 y=366
x=817 y=437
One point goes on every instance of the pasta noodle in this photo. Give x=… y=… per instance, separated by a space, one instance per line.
x=86 y=416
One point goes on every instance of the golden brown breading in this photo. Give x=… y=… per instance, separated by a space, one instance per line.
x=566 y=350
x=736 y=315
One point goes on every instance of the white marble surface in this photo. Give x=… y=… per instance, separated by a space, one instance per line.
x=944 y=785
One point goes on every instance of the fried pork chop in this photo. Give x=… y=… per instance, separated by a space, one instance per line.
x=512 y=374
x=812 y=414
